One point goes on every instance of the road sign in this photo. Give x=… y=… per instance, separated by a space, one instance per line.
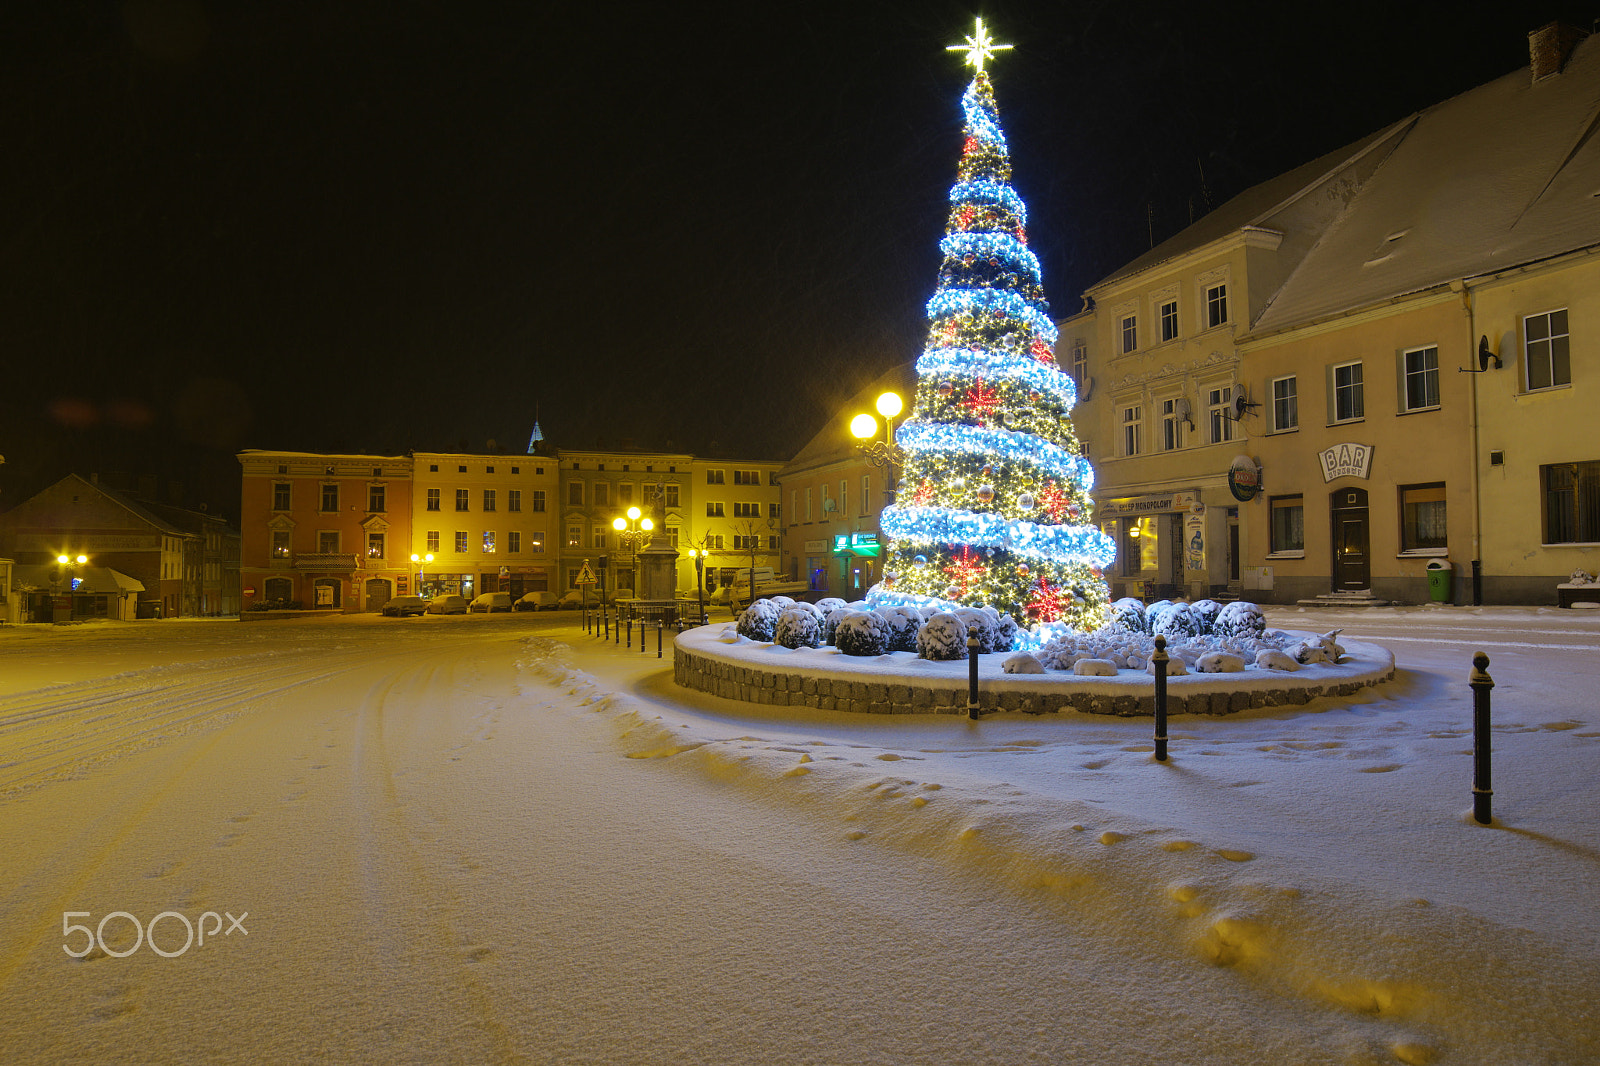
x=585 y=576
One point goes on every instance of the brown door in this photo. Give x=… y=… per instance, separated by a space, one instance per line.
x=1352 y=563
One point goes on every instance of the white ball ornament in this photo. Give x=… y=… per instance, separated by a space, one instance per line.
x=1025 y=501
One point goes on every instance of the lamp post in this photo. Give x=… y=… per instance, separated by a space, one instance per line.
x=422 y=573
x=630 y=532
x=699 y=557
x=66 y=564
x=884 y=453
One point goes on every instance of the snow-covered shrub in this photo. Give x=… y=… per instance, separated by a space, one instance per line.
x=1022 y=663
x=1129 y=614
x=1175 y=622
x=831 y=614
x=1205 y=614
x=798 y=626
x=1240 y=620
x=758 y=620
x=828 y=603
x=903 y=623
x=1176 y=667
x=1153 y=613
x=943 y=636
x=1272 y=659
x=782 y=601
x=1005 y=633
x=1581 y=576
x=1219 y=662
x=861 y=633
x=1095 y=668
x=985 y=624
x=927 y=611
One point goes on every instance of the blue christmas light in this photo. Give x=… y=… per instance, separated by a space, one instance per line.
x=1002 y=246
x=981 y=441
x=927 y=526
x=986 y=191
x=993 y=365
x=981 y=122
x=992 y=301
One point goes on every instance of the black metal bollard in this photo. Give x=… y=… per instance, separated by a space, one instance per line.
x=972 y=672
x=1481 y=683
x=659 y=627
x=1159 y=661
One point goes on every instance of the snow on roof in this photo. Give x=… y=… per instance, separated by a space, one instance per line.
x=97 y=580
x=833 y=442
x=1500 y=176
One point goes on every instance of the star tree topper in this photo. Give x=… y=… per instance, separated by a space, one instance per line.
x=979 y=48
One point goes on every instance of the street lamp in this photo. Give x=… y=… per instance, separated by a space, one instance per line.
x=631 y=531
x=699 y=557
x=884 y=452
x=422 y=573
x=65 y=565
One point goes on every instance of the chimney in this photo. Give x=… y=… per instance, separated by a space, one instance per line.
x=1549 y=48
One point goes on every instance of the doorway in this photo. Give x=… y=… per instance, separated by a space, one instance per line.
x=1352 y=561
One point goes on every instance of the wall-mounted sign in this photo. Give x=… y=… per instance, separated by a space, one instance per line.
x=815 y=547
x=856 y=543
x=1172 y=501
x=1346 y=460
x=1244 y=478
x=1194 y=540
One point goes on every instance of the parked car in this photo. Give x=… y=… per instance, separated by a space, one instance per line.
x=491 y=601
x=538 y=601
x=404 y=606
x=448 y=604
x=576 y=598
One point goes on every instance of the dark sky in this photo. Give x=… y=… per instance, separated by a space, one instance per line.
x=410 y=224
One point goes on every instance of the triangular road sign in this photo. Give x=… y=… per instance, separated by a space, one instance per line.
x=585 y=576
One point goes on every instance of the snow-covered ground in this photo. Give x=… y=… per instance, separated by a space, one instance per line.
x=498 y=839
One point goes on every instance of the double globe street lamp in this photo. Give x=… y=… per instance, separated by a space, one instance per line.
x=631 y=532
x=884 y=452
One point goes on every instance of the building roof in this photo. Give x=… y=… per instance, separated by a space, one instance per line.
x=833 y=443
x=97 y=580
x=1500 y=176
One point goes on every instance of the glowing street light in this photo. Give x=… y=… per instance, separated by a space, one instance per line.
x=422 y=573
x=884 y=453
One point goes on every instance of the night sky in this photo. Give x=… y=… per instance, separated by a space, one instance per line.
x=405 y=225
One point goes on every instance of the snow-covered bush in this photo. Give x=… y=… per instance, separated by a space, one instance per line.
x=1175 y=622
x=758 y=620
x=1128 y=613
x=1205 y=614
x=1005 y=632
x=861 y=633
x=1240 y=620
x=1095 y=668
x=943 y=636
x=903 y=623
x=831 y=614
x=983 y=622
x=798 y=626
x=1176 y=667
x=1219 y=662
x=1272 y=659
x=828 y=603
x=1022 y=663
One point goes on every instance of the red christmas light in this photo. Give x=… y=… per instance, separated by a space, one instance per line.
x=981 y=401
x=1053 y=501
x=924 y=494
x=1041 y=351
x=965 y=570
x=965 y=216
x=1048 y=603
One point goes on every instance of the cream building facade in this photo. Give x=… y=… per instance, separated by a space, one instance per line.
x=487 y=520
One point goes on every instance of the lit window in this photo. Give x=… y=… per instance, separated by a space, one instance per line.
x=461 y=542
x=488 y=542
x=1422 y=517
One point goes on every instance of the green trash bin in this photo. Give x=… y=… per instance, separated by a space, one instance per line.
x=1439 y=580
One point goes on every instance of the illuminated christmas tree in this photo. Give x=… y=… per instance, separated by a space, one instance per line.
x=994 y=502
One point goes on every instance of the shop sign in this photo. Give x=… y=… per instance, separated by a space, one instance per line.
x=1346 y=460
x=1244 y=478
x=1172 y=501
x=816 y=547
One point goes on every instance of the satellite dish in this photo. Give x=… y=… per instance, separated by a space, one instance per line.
x=1239 y=404
x=827 y=504
x=1088 y=390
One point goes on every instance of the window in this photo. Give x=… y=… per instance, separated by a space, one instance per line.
x=461 y=542
x=433 y=499
x=1132 y=430
x=1285 y=405
x=1171 y=426
x=672 y=535
x=1346 y=398
x=599 y=536
x=601 y=496
x=280 y=496
x=625 y=493
x=808 y=505
x=575 y=494
x=433 y=540
x=714 y=510
x=488 y=499
x=374 y=545
x=747 y=477
x=672 y=495
x=375 y=496
x=746 y=510
x=488 y=542
x=743 y=544
x=1130 y=333
x=1571 y=503
x=866 y=493
x=1288 y=523
x=714 y=541
x=773 y=511
x=1169 y=320
x=488 y=470
x=516 y=470
x=1545 y=342
x=538 y=500
x=1220 y=404
x=461 y=469
x=1216 y=305
x=794 y=505
x=536 y=542
x=280 y=544
x=330 y=497
x=772 y=544
x=1079 y=367
x=714 y=477
x=433 y=468
x=844 y=496
x=1420 y=377
x=1422 y=517
x=574 y=536
x=463 y=499
x=513 y=499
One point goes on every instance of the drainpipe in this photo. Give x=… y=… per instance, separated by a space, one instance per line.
x=1472 y=483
